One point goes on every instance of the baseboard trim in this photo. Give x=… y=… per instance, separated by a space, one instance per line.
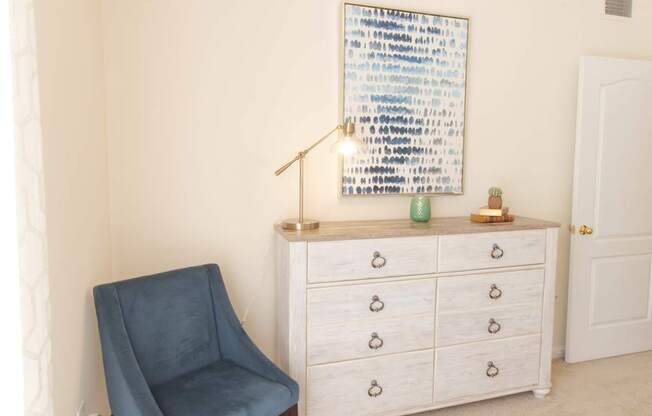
x=558 y=352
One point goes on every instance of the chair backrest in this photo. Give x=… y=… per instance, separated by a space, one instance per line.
x=170 y=320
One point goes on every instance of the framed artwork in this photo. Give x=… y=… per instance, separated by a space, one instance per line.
x=405 y=88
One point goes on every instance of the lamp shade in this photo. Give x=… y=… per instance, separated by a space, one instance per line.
x=348 y=143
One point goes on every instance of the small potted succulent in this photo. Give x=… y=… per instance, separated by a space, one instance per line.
x=495 y=198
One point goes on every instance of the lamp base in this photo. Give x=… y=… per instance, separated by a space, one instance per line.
x=295 y=225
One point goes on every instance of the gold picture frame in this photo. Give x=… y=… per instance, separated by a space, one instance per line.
x=343 y=100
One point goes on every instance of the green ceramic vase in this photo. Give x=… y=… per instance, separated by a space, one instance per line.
x=420 y=208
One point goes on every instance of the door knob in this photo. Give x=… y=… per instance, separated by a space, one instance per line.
x=585 y=230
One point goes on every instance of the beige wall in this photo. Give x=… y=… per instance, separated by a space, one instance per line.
x=75 y=163
x=205 y=99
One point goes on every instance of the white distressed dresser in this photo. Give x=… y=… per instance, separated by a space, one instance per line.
x=393 y=317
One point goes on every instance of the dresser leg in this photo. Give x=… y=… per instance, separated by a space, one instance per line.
x=541 y=393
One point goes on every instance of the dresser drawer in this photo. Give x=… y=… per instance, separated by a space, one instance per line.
x=346 y=388
x=370 y=301
x=488 y=250
x=465 y=293
x=466 y=370
x=331 y=261
x=485 y=324
x=361 y=339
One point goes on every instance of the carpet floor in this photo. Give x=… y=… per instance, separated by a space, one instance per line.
x=620 y=386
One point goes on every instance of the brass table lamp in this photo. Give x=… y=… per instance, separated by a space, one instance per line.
x=348 y=144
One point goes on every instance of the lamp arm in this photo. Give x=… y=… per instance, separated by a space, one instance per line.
x=318 y=142
x=304 y=152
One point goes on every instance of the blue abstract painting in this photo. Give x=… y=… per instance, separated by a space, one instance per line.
x=405 y=88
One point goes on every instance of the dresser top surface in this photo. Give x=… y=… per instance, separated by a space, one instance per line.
x=355 y=230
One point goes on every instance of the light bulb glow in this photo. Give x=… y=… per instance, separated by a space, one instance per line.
x=349 y=144
x=347 y=147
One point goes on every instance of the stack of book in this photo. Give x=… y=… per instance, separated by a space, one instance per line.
x=489 y=215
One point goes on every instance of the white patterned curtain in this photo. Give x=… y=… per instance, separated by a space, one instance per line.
x=30 y=214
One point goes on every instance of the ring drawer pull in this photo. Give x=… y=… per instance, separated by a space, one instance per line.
x=497 y=252
x=375 y=342
x=375 y=390
x=376 y=304
x=493 y=327
x=494 y=292
x=492 y=370
x=378 y=261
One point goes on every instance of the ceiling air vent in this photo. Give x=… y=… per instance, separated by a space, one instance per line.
x=620 y=8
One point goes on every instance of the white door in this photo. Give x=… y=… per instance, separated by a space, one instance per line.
x=609 y=301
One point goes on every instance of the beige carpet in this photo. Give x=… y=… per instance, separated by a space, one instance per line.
x=620 y=386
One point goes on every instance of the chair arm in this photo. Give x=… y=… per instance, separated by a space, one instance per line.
x=129 y=393
x=235 y=344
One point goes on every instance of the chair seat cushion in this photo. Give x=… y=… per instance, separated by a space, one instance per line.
x=222 y=389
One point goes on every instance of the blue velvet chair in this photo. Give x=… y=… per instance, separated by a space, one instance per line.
x=173 y=346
